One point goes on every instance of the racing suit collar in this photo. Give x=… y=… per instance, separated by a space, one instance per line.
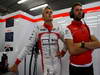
x=47 y=26
x=79 y=23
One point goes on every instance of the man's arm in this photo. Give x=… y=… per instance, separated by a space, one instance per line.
x=95 y=43
x=26 y=50
x=64 y=50
x=74 y=49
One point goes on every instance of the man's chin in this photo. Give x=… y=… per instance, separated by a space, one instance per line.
x=50 y=20
x=78 y=19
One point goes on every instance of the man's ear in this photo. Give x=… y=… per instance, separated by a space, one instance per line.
x=43 y=16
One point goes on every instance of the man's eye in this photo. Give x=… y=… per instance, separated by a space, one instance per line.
x=78 y=10
x=49 y=12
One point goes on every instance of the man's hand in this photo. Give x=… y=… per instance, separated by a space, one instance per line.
x=60 y=54
x=14 y=68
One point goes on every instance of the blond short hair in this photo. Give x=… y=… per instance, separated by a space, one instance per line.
x=46 y=9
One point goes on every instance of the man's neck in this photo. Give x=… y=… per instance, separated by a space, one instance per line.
x=49 y=23
x=77 y=20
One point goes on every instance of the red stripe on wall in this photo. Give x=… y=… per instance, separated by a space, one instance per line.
x=94 y=9
x=2 y=20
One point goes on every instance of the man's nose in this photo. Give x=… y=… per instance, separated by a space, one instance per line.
x=80 y=12
x=49 y=13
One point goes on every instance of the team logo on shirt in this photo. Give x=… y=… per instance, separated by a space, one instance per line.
x=66 y=31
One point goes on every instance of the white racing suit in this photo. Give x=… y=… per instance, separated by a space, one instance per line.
x=48 y=45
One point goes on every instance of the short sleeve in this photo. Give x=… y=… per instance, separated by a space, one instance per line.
x=67 y=33
x=91 y=31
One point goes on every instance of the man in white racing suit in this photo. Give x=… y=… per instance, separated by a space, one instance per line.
x=47 y=36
